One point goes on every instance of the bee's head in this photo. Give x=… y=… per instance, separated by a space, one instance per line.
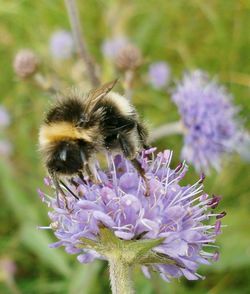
x=68 y=157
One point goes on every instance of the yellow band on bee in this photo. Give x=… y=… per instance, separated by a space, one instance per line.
x=60 y=131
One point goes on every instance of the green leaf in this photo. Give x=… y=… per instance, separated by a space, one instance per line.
x=15 y=196
x=90 y=244
x=84 y=276
x=142 y=247
x=38 y=241
x=234 y=241
x=108 y=238
x=153 y=257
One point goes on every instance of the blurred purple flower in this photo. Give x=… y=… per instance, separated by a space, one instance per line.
x=119 y=203
x=4 y=117
x=159 y=74
x=111 y=47
x=8 y=268
x=61 y=45
x=6 y=148
x=209 y=119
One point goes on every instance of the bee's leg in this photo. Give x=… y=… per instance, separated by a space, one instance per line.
x=126 y=146
x=143 y=135
x=59 y=190
x=73 y=182
x=141 y=172
x=80 y=175
x=129 y=153
x=91 y=175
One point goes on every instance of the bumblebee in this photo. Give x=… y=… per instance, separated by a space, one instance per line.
x=77 y=127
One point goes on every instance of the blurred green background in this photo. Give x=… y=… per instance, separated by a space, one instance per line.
x=211 y=35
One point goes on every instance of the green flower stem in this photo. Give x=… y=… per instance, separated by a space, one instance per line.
x=80 y=42
x=128 y=83
x=123 y=255
x=120 y=276
x=167 y=130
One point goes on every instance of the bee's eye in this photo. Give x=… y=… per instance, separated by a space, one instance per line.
x=63 y=155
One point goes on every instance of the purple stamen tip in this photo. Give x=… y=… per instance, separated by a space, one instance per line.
x=216 y=256
x=202 y=178
x=221 y=215
x=179 y=166
x=214 y=201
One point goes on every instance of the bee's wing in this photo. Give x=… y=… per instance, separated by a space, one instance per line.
x=95 y=95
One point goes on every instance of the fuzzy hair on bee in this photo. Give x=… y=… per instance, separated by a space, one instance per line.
x=78 y=126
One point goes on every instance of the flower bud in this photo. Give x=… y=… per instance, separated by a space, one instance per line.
x=129 y=58
x=25 y=63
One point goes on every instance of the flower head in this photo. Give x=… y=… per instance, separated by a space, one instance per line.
x=111 y=47
x=174 y=215
x=129 y=58
x=209 y=119
x=25 y=63
x=159 y=74
x=61 y=45
x=4 y=117
x=125 y=55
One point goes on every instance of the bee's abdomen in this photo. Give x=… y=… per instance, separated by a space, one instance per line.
x=113 y=121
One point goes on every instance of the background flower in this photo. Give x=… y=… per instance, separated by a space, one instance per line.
x=209 y=119
x=25 y=63
x=111 y=47
x=4 y=117
x=128 y=58
x=177 y=213
x=61 y=45
x=159 y=74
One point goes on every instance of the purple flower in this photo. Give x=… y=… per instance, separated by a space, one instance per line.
x=111 y=47
x=4 y=117
x=159 y=74
x=209 y=119
x=177 y=214
x=8 y=268
x=61 y=45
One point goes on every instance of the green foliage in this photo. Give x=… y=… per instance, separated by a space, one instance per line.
x=211 y=35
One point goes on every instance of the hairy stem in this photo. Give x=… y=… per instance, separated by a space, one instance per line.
x=166 y=130
x=120 y=277
x=45 y=84
x=80 y=42
x=128 y=81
